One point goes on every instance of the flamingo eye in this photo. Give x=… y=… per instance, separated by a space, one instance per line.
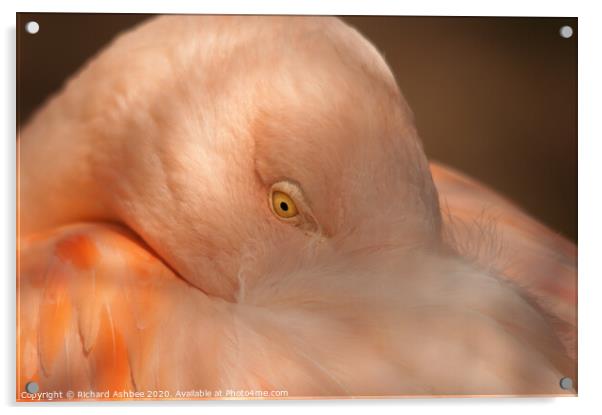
x=289 y=204
x=283 y=205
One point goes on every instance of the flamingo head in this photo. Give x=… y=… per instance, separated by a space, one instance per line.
x=235 y=146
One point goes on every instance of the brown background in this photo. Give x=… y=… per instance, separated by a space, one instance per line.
x=493 y=97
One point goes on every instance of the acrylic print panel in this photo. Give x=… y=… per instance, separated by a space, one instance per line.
x=284 y=207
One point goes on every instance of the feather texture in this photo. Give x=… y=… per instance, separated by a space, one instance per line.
x=150 y=259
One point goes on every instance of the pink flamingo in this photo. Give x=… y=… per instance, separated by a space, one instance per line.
x=243 y=204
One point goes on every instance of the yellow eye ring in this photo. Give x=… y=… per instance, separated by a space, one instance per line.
x=283 y=205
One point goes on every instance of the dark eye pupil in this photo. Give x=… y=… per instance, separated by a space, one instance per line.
x=283 y=206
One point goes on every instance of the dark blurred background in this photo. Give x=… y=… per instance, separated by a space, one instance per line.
x=493 y=97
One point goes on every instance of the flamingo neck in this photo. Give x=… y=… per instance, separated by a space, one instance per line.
x=55 y=182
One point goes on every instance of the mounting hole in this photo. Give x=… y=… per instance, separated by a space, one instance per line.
x=566 y=32
x=31 y=387
x=32 y=27
x=566 y=383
